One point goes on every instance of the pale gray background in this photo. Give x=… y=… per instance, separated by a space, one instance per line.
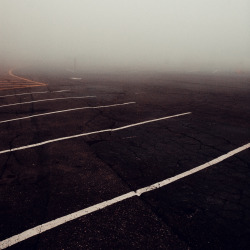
x=127 y=34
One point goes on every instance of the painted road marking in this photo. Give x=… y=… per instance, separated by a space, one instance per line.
x=44 y=100
x=41 y=92
x=11 y=81
x=59 y=221
x=89 y=133
x=18 y=84
x=75 y=78
x=25 y=79
x=129 y=137
x=9 y=84
x=66 y=110
x=22 y=87
x=63 y=90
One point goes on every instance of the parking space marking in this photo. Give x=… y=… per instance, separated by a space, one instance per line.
x=62 y=220
x=192 y=171
x=66 y=110
x=63 y=90
x=44 y=100
x=31 y=93
x=89 y=133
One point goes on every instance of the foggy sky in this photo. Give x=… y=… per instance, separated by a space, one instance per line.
x=127 y=34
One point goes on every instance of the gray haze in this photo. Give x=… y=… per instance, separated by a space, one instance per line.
x=127 y=34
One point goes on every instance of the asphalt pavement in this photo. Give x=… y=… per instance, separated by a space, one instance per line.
x=71 y=148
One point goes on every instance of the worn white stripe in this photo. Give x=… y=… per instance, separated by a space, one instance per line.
x=155 y=120
x=57 y=222
x=45 y=100
x=66 y=110
x=59 y=91
x=75 y=78
x=41 y=92
x=89 y=133
x=192 y=171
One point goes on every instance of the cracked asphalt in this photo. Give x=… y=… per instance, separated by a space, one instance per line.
x=206 y=210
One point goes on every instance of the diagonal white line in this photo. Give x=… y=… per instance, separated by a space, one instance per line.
x=192 y=171
x=89 y=133
x=66 y=110
x=41 y=92
x=59 y=221
x=44 y=100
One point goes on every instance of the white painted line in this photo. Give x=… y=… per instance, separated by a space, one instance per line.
x=89 y=133
x=44 y=100
x=129 y=137
x=42 y=92
x=76 y=78
x=192 y=171
x=59 y=91
x=59 y=221
x=66 y=110
x=25 y=93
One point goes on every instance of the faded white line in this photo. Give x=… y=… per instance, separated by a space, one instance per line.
x=59 y=221
x=41 y=92
x=89 y=133
x=129 y=137
x=59 y=91
x=66 y=110
x=45 y=100
x=192 y=171
x=75 y=78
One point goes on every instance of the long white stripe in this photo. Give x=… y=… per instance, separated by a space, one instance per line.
x=66 y=110
x=192 y=171
x=44 y=100
x=89 y=133
x=42 y=92
x=57 y=222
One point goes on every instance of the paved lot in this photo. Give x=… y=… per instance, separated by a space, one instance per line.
x=206 y=210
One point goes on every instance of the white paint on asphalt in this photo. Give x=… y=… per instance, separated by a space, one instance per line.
x=129 y=137
x=66 y=110
x=76 y=78
x=42 y=92
x=31 y=93
x=45 y=100
x=89 y=133
x=59 y=221
x=155 y=120
x=192 y=171
x=59 y=91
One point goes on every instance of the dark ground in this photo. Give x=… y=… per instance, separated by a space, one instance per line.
x=207 y=210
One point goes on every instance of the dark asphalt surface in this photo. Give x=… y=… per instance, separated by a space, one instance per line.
x=207 y=210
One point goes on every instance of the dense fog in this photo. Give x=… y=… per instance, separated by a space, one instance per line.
x=101 y=35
